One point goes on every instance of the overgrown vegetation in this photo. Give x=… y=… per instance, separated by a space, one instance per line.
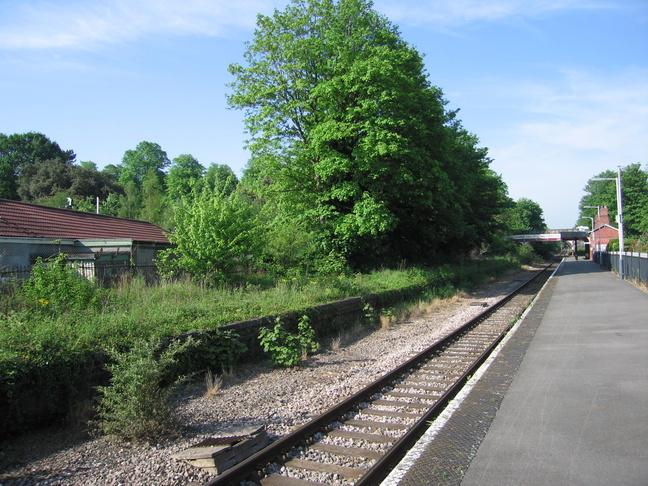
x=48 y=360
x=356 y=166
x=56 y=286
x=136 y=406
x=286 y=348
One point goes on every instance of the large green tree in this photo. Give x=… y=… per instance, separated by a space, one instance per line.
x=219 y=177
x=20 y=157
x=348 y=133
x=183 y=176
x=137 y=163
x=634 y=183
x=526 y=215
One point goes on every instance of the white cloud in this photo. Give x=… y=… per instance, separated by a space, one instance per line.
x=565 y=131
x=583 y=111
x=85 y=24
x=447 y=14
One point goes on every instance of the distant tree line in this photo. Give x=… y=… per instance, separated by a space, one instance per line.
x=146 y=185
x=355 y=162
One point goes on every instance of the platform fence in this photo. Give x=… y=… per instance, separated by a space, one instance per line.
x=635 y=264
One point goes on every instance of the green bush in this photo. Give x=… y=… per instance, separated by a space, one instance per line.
x=286 y=349
x=526 y=255
x=48 y=360
x=55 y=285
x=214 y=350
x=42 y=383
x=135 y=406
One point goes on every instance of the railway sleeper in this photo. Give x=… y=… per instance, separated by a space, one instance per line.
x=390 y=413
x=433 y=379
x=401 y=404
x=347 y=434
x=429 y=387
x=276 y=480
x=344 y=471
x=347 y=451
x=376 y=424
x=417 y=396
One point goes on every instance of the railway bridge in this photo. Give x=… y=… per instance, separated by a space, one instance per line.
x=553 y=235
x=573 y=236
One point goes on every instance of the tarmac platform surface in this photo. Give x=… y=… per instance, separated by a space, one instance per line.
x=565 y=402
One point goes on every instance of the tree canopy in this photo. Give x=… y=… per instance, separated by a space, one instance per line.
x=184 y=174
x=349 y=136
x=146 y=157
x=20 y=157
x=526 y=215
x=634 y=183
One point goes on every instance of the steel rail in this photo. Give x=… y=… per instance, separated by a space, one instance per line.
x=250 y=468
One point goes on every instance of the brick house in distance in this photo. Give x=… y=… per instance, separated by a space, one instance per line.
x=29 y=231
x=603 y=232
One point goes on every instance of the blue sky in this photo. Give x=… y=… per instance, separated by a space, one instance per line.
x=556 y=89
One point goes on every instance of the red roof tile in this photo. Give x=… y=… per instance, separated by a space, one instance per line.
x=19 y=219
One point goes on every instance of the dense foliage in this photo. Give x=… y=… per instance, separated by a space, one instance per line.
x=214 y=236
x=50 y=361
x=355 y=163
x=634 y=184
x=352 y=142
x=135 y=406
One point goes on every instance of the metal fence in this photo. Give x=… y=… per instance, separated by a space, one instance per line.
x=102 y=272
x=635 y=264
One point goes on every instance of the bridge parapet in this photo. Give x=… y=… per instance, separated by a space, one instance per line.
x=552 y=235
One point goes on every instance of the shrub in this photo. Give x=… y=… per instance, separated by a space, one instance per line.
x=286 y=348
x=54 y=285
x=135 y=406
x=214 y=350
x=526 y=255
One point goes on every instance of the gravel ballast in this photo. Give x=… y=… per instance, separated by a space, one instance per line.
x=279 y=399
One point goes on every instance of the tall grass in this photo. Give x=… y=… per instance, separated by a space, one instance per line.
x=133 y=310
x=48 y=354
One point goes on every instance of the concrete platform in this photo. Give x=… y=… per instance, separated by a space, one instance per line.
x=564 y=403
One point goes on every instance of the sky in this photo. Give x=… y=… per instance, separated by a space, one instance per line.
x=557 y=90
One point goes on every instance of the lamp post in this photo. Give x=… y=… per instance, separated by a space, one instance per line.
x=593 y=236
x=598 y=214
x=620 y=215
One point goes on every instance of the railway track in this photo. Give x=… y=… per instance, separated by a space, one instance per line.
x=361 y=439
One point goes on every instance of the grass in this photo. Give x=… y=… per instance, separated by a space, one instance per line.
x=51 y=351
x=133 y=310
x=213 y=384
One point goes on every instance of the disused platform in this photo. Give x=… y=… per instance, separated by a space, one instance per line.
x=565 y=401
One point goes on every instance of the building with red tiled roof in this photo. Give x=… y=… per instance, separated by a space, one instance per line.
x=28 y=231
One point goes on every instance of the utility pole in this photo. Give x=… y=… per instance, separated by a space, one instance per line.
x=619 y=216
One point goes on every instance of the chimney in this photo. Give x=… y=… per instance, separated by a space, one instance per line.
x=603 y=217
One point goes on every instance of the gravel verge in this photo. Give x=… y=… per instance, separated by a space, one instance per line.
x=254 y=395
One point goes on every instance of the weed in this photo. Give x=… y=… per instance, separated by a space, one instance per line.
x=387 y=318
x=56 y=286
x=213 y=384
x=287 y=349
x=336 y=343
x=135 y=407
